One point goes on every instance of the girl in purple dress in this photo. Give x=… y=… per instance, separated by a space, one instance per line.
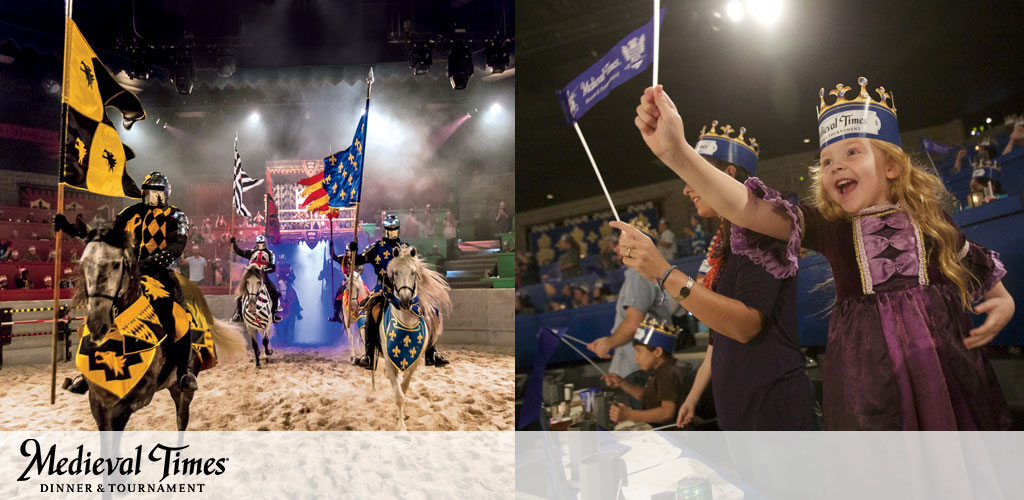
x=901 y=350
x=753 y=355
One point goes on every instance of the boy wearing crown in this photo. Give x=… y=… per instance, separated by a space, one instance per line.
x=653 y=345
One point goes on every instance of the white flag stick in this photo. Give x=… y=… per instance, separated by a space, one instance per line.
x=584 y=356
x=596 y=171
x=657 y=35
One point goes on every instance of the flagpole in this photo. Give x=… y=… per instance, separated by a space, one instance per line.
x=596 y=171
x=355 y=221
x=60 y=209
x=657 y=33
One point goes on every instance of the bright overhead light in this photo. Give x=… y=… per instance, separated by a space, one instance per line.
x=765 y=12
x=988 y=120
x=495 y=109
x=550 y=196
x=807 y=141
x=254 y=117
x=734 y=11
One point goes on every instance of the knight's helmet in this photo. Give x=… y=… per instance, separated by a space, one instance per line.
x=156 y=189
x=261 y=240
x=391 y=226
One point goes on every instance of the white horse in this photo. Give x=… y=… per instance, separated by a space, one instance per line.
x=422 y=299
x=256 y=313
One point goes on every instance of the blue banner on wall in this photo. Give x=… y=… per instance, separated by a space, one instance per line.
x=588 y=235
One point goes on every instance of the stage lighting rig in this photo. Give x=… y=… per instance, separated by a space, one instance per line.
x=225 y=65
x=496 y=53
x=460 y=64
x=421 y=56
x=184 y=74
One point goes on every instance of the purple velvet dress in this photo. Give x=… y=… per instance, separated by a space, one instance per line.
x=895 y=358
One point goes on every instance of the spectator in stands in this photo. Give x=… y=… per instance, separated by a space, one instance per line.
x=609 y=253
x=34 y=236
x=21 y=281
x=666 y=240
x=412 y=225
x=66 y=280
x=3 y=282
x=196 y=267
x=5 y=249
x=14 y=234
x=429 y=222
x=637 y=298
x=52 y=256
x=527 y=271
x=74 y=255
x=29 y=218
x=450 y=229
x=580 y=295
x=14 y=256
x=32 y=256
x=221 y=224
x=985 y=157
x=569 y=261
x=502 y=221
x=48 y=282
x=523 y=305
x=663 y=393
x=1016 y=134
x=698 y=236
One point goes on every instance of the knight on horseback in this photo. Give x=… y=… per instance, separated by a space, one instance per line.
x=341 y=296
x=379 y=254
x=261 y=257
x=160 y=234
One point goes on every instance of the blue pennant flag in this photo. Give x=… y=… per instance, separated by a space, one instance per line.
x=930 y=146
x=628 y=58
x=343 y=171
x=548 y=340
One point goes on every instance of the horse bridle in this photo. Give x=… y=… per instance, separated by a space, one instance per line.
x=120 y=289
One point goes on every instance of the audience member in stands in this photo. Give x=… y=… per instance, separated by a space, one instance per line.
x=32 y=256
x=985 y=155
x=527 y=271
x=52 y=256
x=196 y=267
x=698 y=236
x=30 y=218
x=3 y=282
x=48 y=282
x=66 y=278
x=666 y=240
x=609 y=252
x=602 y=293
x=5 y=249
x=1016 y=124
x=569 y=261
x=661 y=396
x=450 y=229
x=14 y=256
x=15 y=235
x=902 y=270
x=74 y=255
x=637 y=298
x=429 y=222
x=502 y=221
x=580 y=295
x=21 y=281
x=523 y=305
x=221 y=223
x=34 y=236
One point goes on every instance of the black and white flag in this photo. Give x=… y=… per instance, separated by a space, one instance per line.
x=241 y=184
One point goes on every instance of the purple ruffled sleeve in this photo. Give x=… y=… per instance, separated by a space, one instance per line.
x=779 y=258
x=985 y=265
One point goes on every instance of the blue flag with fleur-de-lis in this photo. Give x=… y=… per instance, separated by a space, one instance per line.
x=343 y=171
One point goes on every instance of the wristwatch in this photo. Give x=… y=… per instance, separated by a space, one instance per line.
x=684 y=292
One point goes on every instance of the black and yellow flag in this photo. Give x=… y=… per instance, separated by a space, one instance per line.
x=94 y=158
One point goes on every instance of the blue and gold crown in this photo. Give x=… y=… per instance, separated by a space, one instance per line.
x=654 y=333
x=861 y=116
x=740 y=150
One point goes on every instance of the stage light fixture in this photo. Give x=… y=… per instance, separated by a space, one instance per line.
x=421 y=56
x=496 y=53
x=184 y=74
x=495 y=109
x=460 y=65
x=988 y=120
x=734 y=10
x=254 y=117
x=765 y=12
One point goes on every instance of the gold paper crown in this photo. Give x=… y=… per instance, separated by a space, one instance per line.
x=660 y=326
x=887 y=98
x=1015 y=120
x=747 y=142
x=642 y=226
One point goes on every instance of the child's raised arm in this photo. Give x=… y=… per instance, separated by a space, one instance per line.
x=662 y=129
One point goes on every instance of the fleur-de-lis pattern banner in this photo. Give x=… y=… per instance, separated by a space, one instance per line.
x=588 y=235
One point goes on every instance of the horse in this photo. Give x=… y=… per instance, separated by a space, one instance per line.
x=417 y=306
x=110 y=287
x=256 y=313
x=350 y=312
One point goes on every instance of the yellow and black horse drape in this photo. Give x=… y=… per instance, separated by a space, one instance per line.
x=118 y=361
x=94 y=157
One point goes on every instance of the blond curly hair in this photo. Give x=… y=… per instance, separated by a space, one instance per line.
x=923 y=196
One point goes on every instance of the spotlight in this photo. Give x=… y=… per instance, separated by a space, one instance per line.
x=734 y=10
x=254 y=117
x=988 y=120
x=421 y=56
x=460 y=65
x=496 y=52
x=766 y=12
x=550 y=196
x=495 y=109
x=225 y=65
x=184 y=74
